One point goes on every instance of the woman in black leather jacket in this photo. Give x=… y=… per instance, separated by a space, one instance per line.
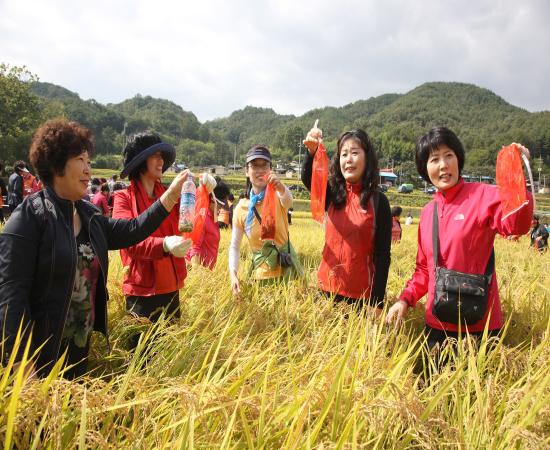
x=53 y=252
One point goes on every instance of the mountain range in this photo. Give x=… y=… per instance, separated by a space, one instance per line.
x=483 y=121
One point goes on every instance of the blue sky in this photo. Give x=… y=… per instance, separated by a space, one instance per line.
x=213 y=57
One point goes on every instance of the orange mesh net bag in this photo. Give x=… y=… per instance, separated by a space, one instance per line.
x=269 y=209
x=201 y=209
x=510 y=179
x=319 y=178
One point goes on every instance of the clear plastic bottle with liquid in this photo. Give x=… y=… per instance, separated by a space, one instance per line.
x=187 y=206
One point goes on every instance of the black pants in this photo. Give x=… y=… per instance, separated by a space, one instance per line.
x=357 y=303
x=76 y=357
x=152 y=307
x=440 y=337
x=436 y=341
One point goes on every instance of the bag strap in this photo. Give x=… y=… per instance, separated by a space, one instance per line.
x=489 y=269
x=257 y=214
x=435 y=236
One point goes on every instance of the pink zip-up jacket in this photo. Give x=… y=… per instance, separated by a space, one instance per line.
x=207 y=246
x=470 y=215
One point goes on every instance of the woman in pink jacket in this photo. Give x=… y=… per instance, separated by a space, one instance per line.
x=205 y=251
x=469 y=216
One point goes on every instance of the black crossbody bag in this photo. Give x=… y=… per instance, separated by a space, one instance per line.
x=459 y=297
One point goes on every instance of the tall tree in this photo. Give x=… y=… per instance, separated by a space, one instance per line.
x=19 y=111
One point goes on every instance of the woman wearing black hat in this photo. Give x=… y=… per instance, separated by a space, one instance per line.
x=54 y=262
x=155 y=268
x=270 y=259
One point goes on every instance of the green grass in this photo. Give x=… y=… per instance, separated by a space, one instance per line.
x=280 y=367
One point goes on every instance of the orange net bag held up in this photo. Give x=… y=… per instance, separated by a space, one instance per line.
x=319 y=178
x=201 y=209
x=510 y=179
x=269 y=209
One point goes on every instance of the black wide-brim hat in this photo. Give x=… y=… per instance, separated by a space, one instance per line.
x=168 y=154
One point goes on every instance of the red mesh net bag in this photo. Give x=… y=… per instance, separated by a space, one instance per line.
x=269 y=209
x=510 y=179
x=201 y=209
x=319 y=178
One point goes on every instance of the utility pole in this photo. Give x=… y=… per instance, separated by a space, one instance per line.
x=300 y=154
x=540 y=166
x=124 y=134
x=235 y=157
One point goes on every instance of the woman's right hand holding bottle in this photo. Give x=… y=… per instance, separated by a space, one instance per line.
x=313 y=138
x=171 y=196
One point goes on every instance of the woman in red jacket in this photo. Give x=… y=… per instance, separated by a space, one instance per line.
x=396 y=231
x=356 y=255
x=205 y=250
x=101 y=199
x=155 y=268
x=469 y=215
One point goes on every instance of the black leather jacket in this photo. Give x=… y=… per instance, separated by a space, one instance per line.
x=38 y=259
x=15 y=190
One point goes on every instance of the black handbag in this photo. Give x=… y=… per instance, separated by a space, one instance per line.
x=459 y=297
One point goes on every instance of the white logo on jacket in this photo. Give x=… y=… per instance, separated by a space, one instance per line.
x=459 y=216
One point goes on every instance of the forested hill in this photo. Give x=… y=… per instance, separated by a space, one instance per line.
x=483 y=120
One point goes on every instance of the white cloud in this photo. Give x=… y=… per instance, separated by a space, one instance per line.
x=213 y=57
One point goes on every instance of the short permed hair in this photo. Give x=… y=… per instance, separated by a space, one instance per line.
x=54 y=143
x=430 y=142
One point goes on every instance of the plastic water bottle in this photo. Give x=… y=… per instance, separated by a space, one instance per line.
x=187 y=205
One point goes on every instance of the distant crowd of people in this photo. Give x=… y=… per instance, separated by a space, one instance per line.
x=54 y=264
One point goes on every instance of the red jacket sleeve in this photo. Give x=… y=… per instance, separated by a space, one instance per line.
x=517 y=223
x=417 y=286
x=151 y=247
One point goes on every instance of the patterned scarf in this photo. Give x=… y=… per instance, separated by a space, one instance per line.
x=251 y=204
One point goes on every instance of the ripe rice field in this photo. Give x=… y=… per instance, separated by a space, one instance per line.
x=280 y=367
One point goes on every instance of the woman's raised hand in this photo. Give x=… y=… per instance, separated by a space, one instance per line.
x=276 y=183
x=172 y=194
x=208 y=181
x=524 y=150
x=313 y=138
